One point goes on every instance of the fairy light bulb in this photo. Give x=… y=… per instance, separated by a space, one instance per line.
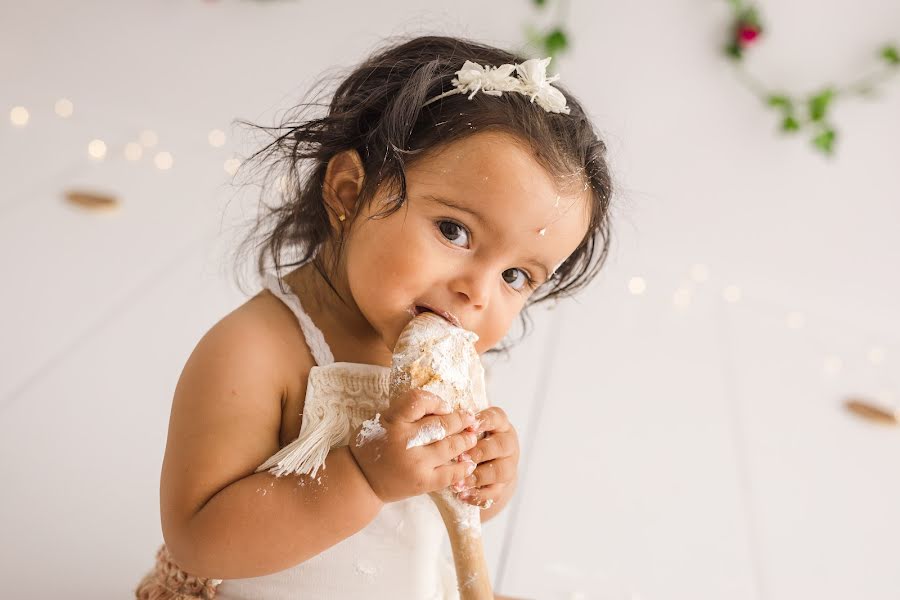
x=64 y=108
x=19 y=116
x=216 y=138
x=163 y=161
x=637 y=286
x=97 y=149
x=231 y=166
x=732 y=294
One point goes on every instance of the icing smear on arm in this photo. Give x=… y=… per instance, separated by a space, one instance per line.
x=371 y=430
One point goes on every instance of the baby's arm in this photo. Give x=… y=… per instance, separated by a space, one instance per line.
x=222 y=520
x=219 y=518
x=253 y=527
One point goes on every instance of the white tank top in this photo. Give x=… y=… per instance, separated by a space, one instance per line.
x=402 y=553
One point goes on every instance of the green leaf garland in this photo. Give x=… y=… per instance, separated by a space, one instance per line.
x=809 y=114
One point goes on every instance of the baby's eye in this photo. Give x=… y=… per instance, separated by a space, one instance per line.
x=509 y=276
x=451 y=231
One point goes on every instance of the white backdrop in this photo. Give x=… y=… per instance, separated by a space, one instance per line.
x=677 y=452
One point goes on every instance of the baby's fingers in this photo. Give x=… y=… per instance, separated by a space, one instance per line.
x=493 y=419
x=454 y=445
x=415 y=404
x=447 y=475
x=500 y=445
x=483 y=497
x=435 y=428
x=496 y=471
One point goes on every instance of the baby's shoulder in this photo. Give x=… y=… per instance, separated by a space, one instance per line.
x=274 y=327
x=235 y=404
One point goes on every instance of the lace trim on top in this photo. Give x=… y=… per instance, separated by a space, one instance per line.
x=339 y=396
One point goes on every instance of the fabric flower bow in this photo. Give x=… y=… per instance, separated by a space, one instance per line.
x=532 y=81
x=533 y=74
x=493 y=81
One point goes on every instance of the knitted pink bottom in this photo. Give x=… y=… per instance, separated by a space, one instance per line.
x=167 y=581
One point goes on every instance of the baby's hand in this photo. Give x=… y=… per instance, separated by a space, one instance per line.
x=407 y=450
x=497 y=455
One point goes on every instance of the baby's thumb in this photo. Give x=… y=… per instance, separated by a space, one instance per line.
x=416 y=404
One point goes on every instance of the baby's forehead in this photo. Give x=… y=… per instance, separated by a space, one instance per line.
x=493 y=152
x=483 y=158
x=505 y=177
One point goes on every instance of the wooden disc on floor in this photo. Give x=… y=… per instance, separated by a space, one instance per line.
x=873 y=411
x=92 y=200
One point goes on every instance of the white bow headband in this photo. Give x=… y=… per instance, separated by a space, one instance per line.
x=532 y=81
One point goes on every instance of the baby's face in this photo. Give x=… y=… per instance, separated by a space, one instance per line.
x=473 y=261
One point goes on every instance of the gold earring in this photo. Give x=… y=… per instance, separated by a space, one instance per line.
x=342 y=218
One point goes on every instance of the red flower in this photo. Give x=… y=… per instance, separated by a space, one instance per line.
x=747 y=34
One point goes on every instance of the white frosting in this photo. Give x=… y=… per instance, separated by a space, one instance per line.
x=371 y=430
x=432 y=432
x=366 y=567
x=467 y=516
x=436 y=347
x=441 y=358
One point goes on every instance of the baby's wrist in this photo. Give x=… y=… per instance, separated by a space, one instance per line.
x=362 y=473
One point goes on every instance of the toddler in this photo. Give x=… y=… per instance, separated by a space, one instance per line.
x=447 y=176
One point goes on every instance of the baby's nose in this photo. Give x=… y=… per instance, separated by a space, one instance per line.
x=473 y=292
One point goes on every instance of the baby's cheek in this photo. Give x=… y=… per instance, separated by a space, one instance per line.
x=492 y=332
x=404 y=251
x=383 y=255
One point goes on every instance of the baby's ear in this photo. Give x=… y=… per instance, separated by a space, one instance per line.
x=344 y=179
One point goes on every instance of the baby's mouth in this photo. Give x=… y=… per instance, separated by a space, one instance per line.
x=419 y=309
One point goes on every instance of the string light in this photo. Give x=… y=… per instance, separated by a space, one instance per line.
x=832 y=365
x=19 y=116
x=232 y=165
x=163 y=161
x=682 y=298
x=97 y=149
x=637 y=286
x=732 y=293
x=64 y=108
x=216 y=138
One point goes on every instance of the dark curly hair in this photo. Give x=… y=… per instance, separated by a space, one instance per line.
x=378 y=110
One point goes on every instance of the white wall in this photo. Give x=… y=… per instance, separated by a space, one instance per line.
x=667 y=453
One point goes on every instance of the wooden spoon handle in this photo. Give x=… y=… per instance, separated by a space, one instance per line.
x=463 y=523
x=434 y=355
